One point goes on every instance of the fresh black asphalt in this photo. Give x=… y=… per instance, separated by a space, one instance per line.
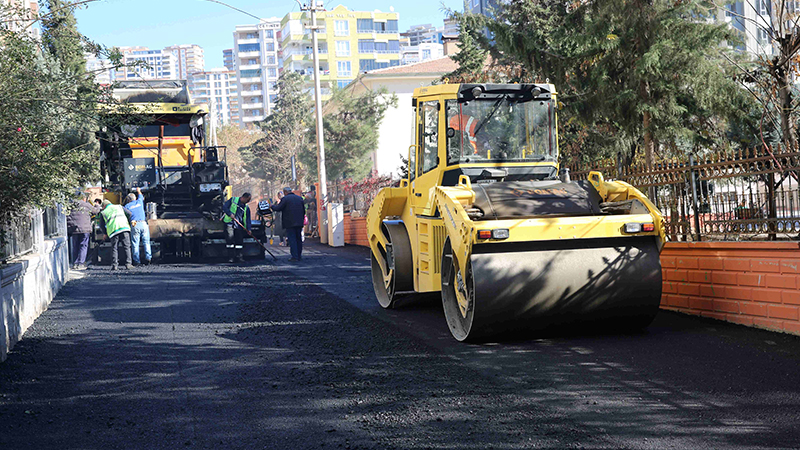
x=279 y=356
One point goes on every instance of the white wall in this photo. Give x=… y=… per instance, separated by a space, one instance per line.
x=28 y=285
x=396 y=132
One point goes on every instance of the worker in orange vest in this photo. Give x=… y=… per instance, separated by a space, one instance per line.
x=467 y=123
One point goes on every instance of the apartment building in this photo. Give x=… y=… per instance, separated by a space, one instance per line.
x=227 y=58
x=350 y=42
x=18 y=15
x=142 y=63
x=257 y=65
x=218 y=89
x=421 y=52
x=102 y=69
x=189 y=59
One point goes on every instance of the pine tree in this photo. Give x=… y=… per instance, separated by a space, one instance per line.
x=471 y=57
x=61 y=38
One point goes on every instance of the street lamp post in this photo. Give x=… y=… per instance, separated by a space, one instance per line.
x=322 y=195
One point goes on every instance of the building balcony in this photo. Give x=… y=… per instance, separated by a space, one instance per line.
x=250 y=66
x=248 y=41
x=252 y=118
x=243 y=55
x=252 y=105
x=251 y=93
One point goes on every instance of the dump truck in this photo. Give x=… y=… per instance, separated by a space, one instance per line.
x=154 y=139
x=486 y=218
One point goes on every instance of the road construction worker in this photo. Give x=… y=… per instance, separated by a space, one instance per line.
x=237 y=214
x=115 y=219
x=140 y=232
x=466 y=123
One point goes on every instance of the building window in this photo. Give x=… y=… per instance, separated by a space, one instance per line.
x=366 y=45
x=217 y=92
x=391 y=26
x=364 y=25
x=269 y=34
x=343 y=69
x=341 y=84
x=270 y=60
x=762 y=7
x=251 y=73
x=341 y=28
x=426 y=54
x=270 y=47
x=248 y=47
x=342 y=48
x=394 y=46
x=273 y=72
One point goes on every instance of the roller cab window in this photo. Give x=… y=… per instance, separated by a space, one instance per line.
x=429 y=136
x=501 y=129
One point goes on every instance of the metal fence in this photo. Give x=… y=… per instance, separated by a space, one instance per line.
x=18 y=235
x=356 y=197
x=745 y=195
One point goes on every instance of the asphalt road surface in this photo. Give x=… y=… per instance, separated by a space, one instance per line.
x=280 y=356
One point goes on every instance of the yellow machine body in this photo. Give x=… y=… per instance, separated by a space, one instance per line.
x=487 y=219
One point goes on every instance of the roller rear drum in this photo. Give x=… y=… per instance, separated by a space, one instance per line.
x=612 y=283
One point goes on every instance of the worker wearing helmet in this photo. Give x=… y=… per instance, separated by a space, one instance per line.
x=466 y=124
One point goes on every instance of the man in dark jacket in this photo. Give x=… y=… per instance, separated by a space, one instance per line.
x=293 y=215
x=79 y=227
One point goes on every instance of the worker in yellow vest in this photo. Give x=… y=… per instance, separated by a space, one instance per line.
x=116 y=220
x=237 y=208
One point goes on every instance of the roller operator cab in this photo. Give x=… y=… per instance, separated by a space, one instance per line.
x=486 y=218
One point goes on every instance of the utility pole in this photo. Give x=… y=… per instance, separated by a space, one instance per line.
x=322 y=195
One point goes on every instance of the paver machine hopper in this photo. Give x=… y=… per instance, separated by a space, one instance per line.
x=486 y=218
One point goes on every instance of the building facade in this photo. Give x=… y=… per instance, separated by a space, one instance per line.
x=142 y=63
x=257 y=65
x=102 y=69
x=421 y=52
x=189 y=58
x=19 y=15
x=350 y=42
x=218 y=89
x=227 y=59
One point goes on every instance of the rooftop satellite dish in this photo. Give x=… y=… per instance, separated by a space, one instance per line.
x=391 y=8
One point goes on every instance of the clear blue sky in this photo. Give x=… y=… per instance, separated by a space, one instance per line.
x=159 y=23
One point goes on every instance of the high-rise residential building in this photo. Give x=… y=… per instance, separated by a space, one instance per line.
x=218 y=89
x=227 y=59
x=257 y=66
x=749 y=18
x=422 y=52
x=102 y=69
x=417 y=34
x=144 y=64
x=19 y=16
x=350 y=42
x=189 y=59
x=484 y=7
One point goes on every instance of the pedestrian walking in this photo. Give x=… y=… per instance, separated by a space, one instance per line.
x=140 y=231
x=116 y=219
x=79 y=227
x=237 y=208
x=293 y=213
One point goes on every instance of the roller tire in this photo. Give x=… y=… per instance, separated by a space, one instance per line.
x=460 y=325
x=390 y=287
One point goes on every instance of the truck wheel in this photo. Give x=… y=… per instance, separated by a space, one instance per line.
x=395 y=275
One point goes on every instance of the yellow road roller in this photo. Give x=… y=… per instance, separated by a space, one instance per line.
x=486 y=217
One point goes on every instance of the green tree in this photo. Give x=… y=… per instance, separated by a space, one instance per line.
x=471 y=56
x=286 y=134
x=351 y=132
x=61 y=38
x=632 y=74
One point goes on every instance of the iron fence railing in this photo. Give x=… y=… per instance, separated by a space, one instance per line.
x=752 y=194
x=356 y=196
x=16 y=237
